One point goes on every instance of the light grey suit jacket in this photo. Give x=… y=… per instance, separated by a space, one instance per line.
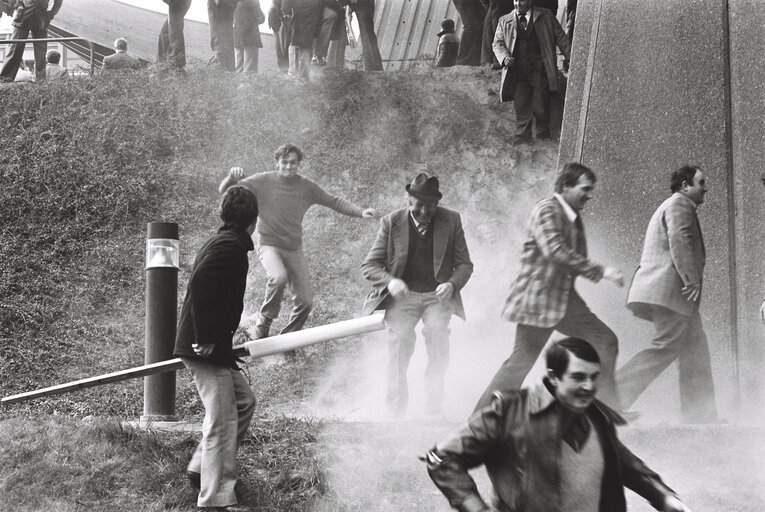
x=387 y=258
x=673 y=257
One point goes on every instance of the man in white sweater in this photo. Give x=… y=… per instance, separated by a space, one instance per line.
x=283 y=198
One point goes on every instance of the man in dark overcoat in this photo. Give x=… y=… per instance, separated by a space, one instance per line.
x=524 y=44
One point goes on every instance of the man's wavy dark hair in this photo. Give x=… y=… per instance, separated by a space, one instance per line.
x=557 y=356
x=570 y=174
x=238 y=207
x=685 y=174
x=286 y=149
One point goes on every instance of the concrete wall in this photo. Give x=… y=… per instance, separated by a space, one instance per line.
x=655 y=85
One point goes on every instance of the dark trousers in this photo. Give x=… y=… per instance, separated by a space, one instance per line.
x=370 y=51
x=678 y=337
x=11 y=65
x=473 y=15
x=402 y=318
x=328 y=19
x=531 y=98
x=282 y=44
x=171 y=47
x=221 y=34
x=579 y=322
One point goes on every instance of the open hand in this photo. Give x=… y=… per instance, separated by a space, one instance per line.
x=369 y=213
x=692 y=292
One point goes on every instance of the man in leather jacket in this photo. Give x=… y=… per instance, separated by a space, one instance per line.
x=550 y=448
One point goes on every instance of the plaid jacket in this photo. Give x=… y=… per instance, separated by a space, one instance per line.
x=673 y=257
x=549 y=264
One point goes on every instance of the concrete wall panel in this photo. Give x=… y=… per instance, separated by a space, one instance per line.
x=651 y=89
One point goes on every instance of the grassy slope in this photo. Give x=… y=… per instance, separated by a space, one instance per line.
x=86 y=164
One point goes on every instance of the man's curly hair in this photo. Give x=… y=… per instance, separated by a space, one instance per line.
x=238 y=207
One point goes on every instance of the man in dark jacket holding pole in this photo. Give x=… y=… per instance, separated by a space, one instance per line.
x=549 y=448
x=210 y=315
x=30 y=16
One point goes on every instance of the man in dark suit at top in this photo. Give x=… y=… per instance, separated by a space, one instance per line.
x=524 y=44
x=120 y=59
x=666 y=290
x=418 y=265
x=542 y=297
x=29 y=16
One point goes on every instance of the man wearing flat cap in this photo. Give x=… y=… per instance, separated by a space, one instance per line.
x=418 y=265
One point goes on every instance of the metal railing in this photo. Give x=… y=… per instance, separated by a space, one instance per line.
x=55 y=40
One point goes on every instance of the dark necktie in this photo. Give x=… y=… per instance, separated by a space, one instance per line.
x=575 y=429
x=522 y=21
x=422 y=229
x=580 y=244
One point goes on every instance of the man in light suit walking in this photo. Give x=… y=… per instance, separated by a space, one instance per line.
x=542 y=297
x=666 y=290
x=418 y=265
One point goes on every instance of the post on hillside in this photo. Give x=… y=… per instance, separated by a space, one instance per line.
x=162 y=253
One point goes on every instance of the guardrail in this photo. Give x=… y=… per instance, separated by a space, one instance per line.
x=55 y=40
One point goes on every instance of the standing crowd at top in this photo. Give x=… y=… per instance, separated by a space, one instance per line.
x=305 y=32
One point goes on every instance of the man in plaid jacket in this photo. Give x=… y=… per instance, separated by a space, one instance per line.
x=542 y=297
x=666 y=290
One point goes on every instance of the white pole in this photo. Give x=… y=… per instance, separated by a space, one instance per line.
x=306 y=337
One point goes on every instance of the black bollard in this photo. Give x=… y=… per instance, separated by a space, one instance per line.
x=161 y=310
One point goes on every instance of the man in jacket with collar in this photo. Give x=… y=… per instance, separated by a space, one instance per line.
x=666 y=290
x=524 y=45
x=418 y=264
x=550 y=448
x=29 y=16
x=542 y=297
x=209 y=317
